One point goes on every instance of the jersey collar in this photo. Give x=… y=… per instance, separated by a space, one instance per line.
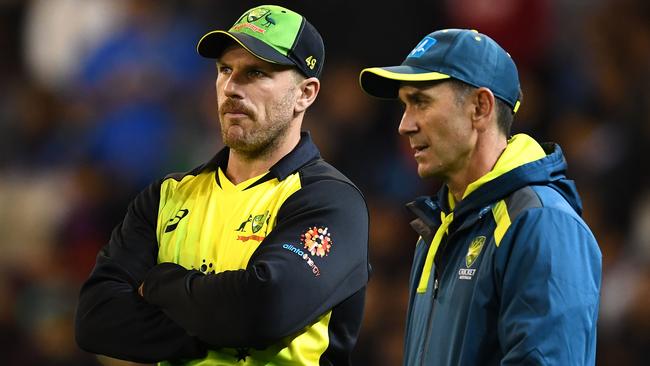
x=305 y=152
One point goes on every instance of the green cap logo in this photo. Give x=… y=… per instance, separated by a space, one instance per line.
x=273 y=34
x=259 y=13
x=247 y=20
x=261 y=23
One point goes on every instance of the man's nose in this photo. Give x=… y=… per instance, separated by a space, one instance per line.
x=232 y=88
x=408 y=124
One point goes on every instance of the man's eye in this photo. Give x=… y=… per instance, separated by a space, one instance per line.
x=256 y=73
x=420 y=103
x=223 y=69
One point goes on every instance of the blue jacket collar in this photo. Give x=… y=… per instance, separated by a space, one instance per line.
x=550 y=171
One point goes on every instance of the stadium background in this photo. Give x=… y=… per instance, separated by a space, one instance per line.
x=100 y=97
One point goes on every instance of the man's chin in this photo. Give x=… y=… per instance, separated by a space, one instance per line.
x=243 y=146
x=237 y=144
x=425 y=171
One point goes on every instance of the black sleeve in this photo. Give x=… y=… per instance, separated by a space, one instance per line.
x=111 y=318
x=285 y=287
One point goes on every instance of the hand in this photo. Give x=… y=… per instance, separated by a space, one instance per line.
x=141 y=290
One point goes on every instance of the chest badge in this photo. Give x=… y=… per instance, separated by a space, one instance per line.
x=259 y=220
x=257 y=223
x=474 y=250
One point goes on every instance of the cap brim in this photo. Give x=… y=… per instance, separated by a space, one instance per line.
x=384 y=82
x=212 y=45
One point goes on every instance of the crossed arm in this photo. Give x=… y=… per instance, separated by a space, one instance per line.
x=133 y=308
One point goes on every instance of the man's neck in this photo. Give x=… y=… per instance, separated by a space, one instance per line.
x=481 y=161
x=242 y=167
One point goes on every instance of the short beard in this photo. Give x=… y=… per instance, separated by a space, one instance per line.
x=260 y=142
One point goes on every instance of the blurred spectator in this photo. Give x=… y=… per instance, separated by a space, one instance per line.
x=55 y=45
x=151 y=62
x=521 y=27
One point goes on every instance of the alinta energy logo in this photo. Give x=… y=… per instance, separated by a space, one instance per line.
x=317 y=241
x=257 y=222
x=310 y=262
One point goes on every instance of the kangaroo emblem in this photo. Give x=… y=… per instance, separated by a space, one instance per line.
x=243 y=224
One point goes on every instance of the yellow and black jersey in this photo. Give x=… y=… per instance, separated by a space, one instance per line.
x=270 y=271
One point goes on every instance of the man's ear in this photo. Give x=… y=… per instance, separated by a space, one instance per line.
x=483 y=107
x=308 y=89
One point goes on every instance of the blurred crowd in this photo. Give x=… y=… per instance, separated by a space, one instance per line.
x=100 y=97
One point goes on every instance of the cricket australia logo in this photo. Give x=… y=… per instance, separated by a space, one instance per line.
x=257 y=222
x=473 y=252
x=247 y=20
x=259 y=13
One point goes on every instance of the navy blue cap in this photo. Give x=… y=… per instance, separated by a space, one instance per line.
x=461 y=54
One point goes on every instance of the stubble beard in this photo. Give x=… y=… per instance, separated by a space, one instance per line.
x=258 y=141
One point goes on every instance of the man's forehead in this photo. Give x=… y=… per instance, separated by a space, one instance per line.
x=407 y=88
x=423 y=85
x=236 y=53
x=235 y=50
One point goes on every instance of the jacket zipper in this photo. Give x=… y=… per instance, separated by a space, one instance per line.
x=436 y=288
x=436 y=285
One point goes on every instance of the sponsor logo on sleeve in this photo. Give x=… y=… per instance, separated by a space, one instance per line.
x=317 y=240
x=305 y=256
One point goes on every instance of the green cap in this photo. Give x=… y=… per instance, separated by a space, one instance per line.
x=273 y=34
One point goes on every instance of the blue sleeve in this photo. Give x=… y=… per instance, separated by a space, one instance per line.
x=548 y=278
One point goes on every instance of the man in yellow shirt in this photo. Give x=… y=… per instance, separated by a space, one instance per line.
x=258 y=257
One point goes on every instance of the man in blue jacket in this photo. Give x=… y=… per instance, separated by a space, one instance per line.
x=505 y=270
